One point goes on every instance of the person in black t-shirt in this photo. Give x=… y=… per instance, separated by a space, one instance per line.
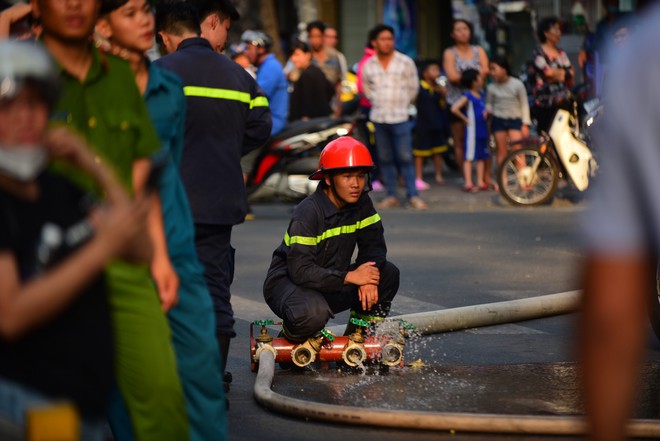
x=55 y=335
x=312 y=92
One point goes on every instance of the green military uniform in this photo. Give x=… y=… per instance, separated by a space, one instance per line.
x=109 y=112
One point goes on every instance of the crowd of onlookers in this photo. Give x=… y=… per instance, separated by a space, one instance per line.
x=490 y=115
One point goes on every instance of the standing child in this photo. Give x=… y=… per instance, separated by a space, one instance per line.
x=476 y=130
x=506 y=101
x=431 y=126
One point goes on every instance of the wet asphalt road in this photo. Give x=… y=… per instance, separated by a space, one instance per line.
x=467 y=249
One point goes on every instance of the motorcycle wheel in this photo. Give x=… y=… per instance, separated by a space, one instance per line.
x=654 y=306
x=528 y=177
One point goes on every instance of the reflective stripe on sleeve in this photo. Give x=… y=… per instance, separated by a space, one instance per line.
x=226 y=94
x=332 y=232
x=260 y=101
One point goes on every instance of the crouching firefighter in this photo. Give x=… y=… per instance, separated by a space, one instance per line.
x=311 y=276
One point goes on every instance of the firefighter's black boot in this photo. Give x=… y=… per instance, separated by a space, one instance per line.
x=223 y=346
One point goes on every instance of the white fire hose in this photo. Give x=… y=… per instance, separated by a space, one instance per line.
x=442 y=321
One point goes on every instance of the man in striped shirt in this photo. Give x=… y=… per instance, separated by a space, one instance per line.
x=391 y=85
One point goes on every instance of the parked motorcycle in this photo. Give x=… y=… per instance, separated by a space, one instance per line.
x=282 y=167
x=529 y=174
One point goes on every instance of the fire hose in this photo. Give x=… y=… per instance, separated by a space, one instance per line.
x=442 y=321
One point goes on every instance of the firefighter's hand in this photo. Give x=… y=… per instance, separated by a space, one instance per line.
x=367 y=273
x=368 y=295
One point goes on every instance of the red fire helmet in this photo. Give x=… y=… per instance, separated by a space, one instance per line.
x=343 y=153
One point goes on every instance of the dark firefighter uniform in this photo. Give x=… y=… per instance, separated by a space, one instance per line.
x=227 y=117
x=305 y=282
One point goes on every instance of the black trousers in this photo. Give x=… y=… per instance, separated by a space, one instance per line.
x=306 y=311
x=214 y=250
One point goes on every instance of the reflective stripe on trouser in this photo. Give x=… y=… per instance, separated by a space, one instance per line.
x=144 y=358
x=306 y=311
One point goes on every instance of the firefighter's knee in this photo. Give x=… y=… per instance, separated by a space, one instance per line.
x=306 y=318
x=389 y=280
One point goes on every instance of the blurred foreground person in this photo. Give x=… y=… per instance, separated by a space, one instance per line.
x=622 y=228
x=55 y=241
x=128 y=26
x=102 y=103
x=16 y=21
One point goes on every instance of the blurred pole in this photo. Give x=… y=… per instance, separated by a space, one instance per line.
x=307 y=10
x=268 y=11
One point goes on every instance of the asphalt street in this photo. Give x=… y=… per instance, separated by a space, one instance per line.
x=466 y=249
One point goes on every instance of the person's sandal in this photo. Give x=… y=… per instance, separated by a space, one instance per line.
x=417 y=203
x=389 y=202
x=420 y=185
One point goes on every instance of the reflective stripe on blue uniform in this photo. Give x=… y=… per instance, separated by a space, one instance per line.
x=227 y=117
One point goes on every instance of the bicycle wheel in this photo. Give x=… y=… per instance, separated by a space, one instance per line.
x=527 y=177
